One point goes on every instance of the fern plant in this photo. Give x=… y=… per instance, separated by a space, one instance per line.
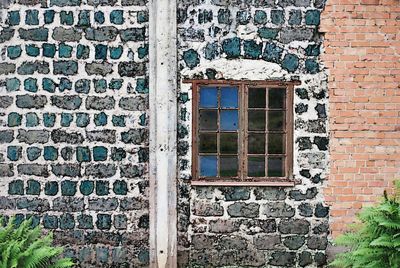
x=24 y=247
x=375 y=242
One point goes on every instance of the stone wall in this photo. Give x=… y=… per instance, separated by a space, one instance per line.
x=73 y=125
x=255 y=226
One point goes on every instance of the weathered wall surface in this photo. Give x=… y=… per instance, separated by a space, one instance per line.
x=255 y=226
x=362 y=53
x=73 y=134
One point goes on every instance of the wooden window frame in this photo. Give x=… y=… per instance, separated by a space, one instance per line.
x=243 y=180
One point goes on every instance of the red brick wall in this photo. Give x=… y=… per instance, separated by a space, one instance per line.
x=362 y=53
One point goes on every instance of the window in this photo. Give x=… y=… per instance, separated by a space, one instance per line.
x=242 y=133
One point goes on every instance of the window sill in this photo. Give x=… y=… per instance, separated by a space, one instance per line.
x=243 y=183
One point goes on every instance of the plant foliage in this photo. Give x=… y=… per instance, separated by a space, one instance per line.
x=25 y=247
x=375 y=242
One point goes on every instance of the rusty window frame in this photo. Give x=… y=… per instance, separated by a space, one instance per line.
x=243 y=179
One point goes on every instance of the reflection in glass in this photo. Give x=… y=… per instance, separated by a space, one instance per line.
x=208 y=166
x=256 y=166
x=228 y=166
x=208 y=97
x=276 y=143
x=208 y=143
x=229 y=120
x=256 y=120
x=229 y=143
x=276 y=167
x=276 y=98
x=229 y=97
x=275 y=120
x=208 y=119
x=256 y=143
x=257 y=98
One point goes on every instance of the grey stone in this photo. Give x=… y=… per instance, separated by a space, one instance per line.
x=266 y=241
x=62 y=136
x=130 y=171
x=30 y=67
x=202 y=241
x=135 y=136
x=33 y=136
x=270 y=193
x=33 y=204
x=133 y=203
x=67 y=34
x=66 y=170
x=133 y=34
x=305 y=210
x=132 y=69
x=6 y=170
x=103 y=204
x=6 y=136
x=250 y=258
x=294 y=242
x=97 y=68
x=5 y=202
x=100 y=170
x=236 y=193
x=246 y=210
x=322 y=228
x=294 y=226
x=7 y=68
x=63 y=3
x=296 y=34
x=5 y=101
x=100 y=103
x=65 y=67
x=36 y=34
x=317 y=242
x=68 y=102
x=101 y=2
x=299 y=196
x=264 y=226
x=232 y=242
x=321 y=211
x=6 y=34
x=31 y=101
x=137 y=103
x=68 y=204
x=283 y=258
x=207 y=209
x=106 y=136
x=305 y=258
x=101 y=34
x=33 y=170
x=278 y=210
x=133 y=2
x=223 y=226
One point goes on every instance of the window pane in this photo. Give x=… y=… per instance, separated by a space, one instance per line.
x=275 y=120
x=208 y=166
x=229 y=143
x=208 y=143
x=256 y=143
x=256 y=120
x=208 y=97
x=276 y=144
x=229 y=97
x=276 y=167
x=256 y=98
x=229 y=120
x=228 y=166
x=208 y=119
x=256 y=166
x=276 y=98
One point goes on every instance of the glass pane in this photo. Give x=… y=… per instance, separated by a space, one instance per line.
x=276 y=167
x=208 y=166
x=207 y=143
x=276 y=143
x=275 y=120
x=256 y=166
x=276 y=98
x=228 y=166
x=229 y=97
x=256 y=120
x=208 y=97
x=256 y=143
x=229 y=120
x=208 y=119
x=256 y=98
x=229 y=143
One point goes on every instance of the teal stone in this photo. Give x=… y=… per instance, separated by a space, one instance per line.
x=82 y=86
x=66 y=119
x=144 y=256
x=51 y=188
x=48 y=85
x=100 y=52
x=99 y=17
x=120 y=187
x=16 y=187
x=295 y=17
x=211 y=51
x=268 y=33
x=67 y=153
x=102 y=188
x=49 y=16
x=82 y=119
x=211 y=73
x=143 y=155
x=84 y=18
x=50 y=221
x=142 y=16
x=118 y=154
x=65 y=84
x=116 y=52
x=64 y=51
x=100 y=86
x=83 y=154
x=313 y=50
x=182 y=115
x=49 y=50
x=85 y=221
x=231 y=47
x=49 y=119
x=14 y=153
x=191 y=58
x=290 y=62
x=102 y=254
x=243 y=17
x=272 y=53
x=32 y=17
x=143 y=120
x=224 y=16
x=13 y=18
x=183 y=97
x=100 y=153
x=277 y=17
x=82 y=52
x=32 y=120
x=100 y=119
x=50 y=153
x=30 y=84
x=32 y=50
x=312 y=66
x=142 y=85
x=67 y=17
x=12 y=84
x=312 y=17
x=33 y=187
x=117 y=17
x=14 y=52
x=68 y=188
x=67 y=221
x=86 y=187
x=103 y=223
x=260 y=17
x=118 y=120
x=33 y=153
x=115 y=84
x=14 y=119
x=35 y=219
x=120 y=221
x=252 y=50
x=18 y=219
x=143 y=51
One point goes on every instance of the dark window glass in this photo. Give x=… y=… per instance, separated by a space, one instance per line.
x=256 y=98
x=276 y=143
x=228 y=166
x=256 y=120
x=276 y=167
x=229 y=143
x=256 y=166
x=276 y=98
x=208 y=119
x=208 y=143
x=256 y=143
x=275 y=120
